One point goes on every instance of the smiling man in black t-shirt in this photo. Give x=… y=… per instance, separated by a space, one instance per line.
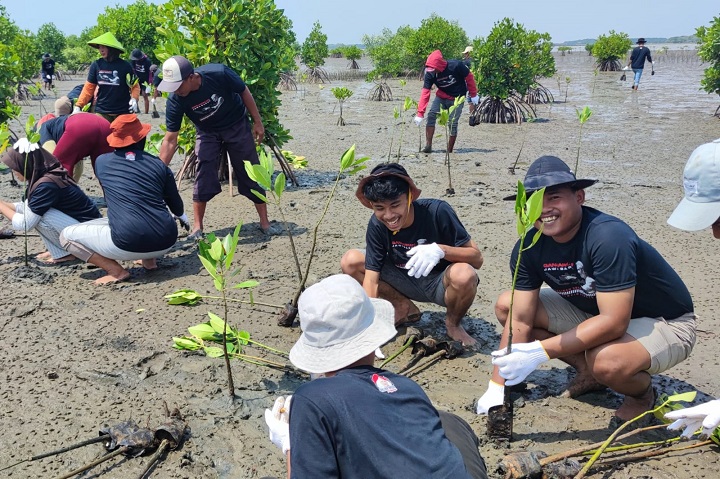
x=615 y=310
x=417 y=250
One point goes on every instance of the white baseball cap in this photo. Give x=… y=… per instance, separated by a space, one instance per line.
x=174 y=71
x=340 y=324
x=701 y=179
x=468 y=49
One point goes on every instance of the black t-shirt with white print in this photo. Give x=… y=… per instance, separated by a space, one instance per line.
x=113 y=92
x=605 y=255
x=435 y=222
x=214 y=106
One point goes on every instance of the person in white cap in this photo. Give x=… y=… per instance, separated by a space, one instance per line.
x=466 y=57
x=356 y=420
x=615 y=310
x=218 y=102
x=699 y=209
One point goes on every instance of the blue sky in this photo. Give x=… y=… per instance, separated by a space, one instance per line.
x=347 y=21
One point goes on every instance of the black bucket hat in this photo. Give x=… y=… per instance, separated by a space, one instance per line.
x=136 y=54
x=549 y=171
x=641 y=40
x=386 y=169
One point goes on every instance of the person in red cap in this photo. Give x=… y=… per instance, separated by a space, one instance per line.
x=614 y=310
x=416 y=250
x=452 y=79
x=218 y=103
x=138 y=189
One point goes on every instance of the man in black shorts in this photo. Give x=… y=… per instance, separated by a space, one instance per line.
x=416 y=250
x=218 y=102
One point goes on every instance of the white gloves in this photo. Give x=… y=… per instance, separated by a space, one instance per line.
x=424 y=258
x=493 y=397
x=706 y=415
x=652 y=63
x=152 y=100
x=475 y=100
x=418 y=120
x=76 y=109
x=278 y=421
x=23 y=145
x=626 y=68
x=379 y=354
x=48 y=77
x=184 y=222
x=133 y=106
x=524 y=359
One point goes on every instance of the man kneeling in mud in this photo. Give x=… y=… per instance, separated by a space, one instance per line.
x=416 y=250
x=615 y=310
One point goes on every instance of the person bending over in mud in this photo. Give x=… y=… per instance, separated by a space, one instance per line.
x=52 y=199
x=139 y=189
x=393 y=430
x=416 y=250
x=636 y=318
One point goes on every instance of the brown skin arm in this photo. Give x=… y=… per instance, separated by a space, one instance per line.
x=288 y=465
x=371 y=283
x=86 y=94
x=468 y=253
x=611 y=324
x=7 y=210
x=258 y=129
x=169 y=146
x=135 y=90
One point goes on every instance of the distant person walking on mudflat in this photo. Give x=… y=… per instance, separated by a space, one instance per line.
x=637 y=61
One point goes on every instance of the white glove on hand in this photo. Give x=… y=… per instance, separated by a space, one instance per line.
x=278 y=421
x=23 y=145
x=379 y=354
x=424 y=258
x=152 y=100
x=133 y=106
x=76 y=109
x=706 y=415
x=475 y=100
x=524 y=359
x=493 y=397
x=184 y=222
x=418 y=120
x=626 y=68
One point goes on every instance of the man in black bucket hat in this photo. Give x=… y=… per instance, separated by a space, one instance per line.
x=639 y=55
x=613 y=308
x=416 y=250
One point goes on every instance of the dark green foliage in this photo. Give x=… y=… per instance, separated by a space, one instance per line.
x=51 y=40
x=389 y=53
x=314 y=49
x=709 y=51
x=253 y=37
x=609 y=49
x=436 y=33
x=77 y=54
x=19 y=60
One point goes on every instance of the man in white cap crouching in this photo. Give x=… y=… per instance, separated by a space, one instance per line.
x=355 y=420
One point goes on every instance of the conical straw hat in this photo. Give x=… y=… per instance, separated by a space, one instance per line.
x=107 y=39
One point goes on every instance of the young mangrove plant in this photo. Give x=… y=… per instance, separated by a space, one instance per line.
x=445 y=119
x=381 y=91
x=262 y=174
x=527 y=212
x=353 y=53
x=609 y=49
x=341 y=94
x=583 y=116
x=408 y=104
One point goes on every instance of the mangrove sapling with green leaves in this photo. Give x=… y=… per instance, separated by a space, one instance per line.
x=444 y=118
x=262 y=174
x=609 y=49
x=353 y=53
x=567 y=87
x=527 y=213
x=408 y=104
x=381 y=91
x=583 y=116
x=216 y=331
x=341 y=94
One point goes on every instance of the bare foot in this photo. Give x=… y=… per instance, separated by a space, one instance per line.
x=581 y=384
x=406 y=312
x=147 y=263
x=112 y=279
x=633 y=406
x=50 y=260
x=458 y=333
x=42 y=256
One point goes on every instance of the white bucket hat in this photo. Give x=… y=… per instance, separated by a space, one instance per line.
x=701 y=179
x=340 y=325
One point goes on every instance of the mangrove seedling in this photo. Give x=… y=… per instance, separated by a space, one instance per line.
x=583 y=116
x=341 y=95
x=527 y=212
x=408 y=104
x=445 y=118
x=262 y=174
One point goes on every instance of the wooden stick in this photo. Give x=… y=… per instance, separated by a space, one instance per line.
x=106 y=457
x=648 y=454
x=155 y=457
x=428 y=362
x=60 y=451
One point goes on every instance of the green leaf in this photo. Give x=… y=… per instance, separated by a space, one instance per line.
x=217 y=323
x=230 y=250
x=186 y=344
x=685 y=397
x=356 y=169
x=347 y=158
x=535 y=206
x=279 y=184
x=216 y=250
x=203 y=331
x=213 y=351
x=260 y=195
x=243 y=337
x=250 y=283
x=210 y=267
x=535 y=239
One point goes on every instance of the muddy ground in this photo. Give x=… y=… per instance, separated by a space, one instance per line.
x=75 y=357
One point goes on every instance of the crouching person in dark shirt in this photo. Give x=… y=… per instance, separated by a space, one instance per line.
x=52 y=199
x=355 y=420
x=138 y=189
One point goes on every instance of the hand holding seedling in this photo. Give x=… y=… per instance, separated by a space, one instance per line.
x=418 y=120
x=24 y=146
x=515 y=366
x=424 y=257
x=691 y=419
x=278 y=421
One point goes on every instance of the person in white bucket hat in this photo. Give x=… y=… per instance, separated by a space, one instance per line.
x=699 y=209
x=356 y=420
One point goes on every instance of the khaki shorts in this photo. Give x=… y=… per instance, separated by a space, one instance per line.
x=669 y=342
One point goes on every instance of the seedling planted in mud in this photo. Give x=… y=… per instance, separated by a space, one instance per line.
x=444 y=118
x=399 y=114
x=262 y=174
x=527 y=212
x=583 y=116
x=341 y=94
